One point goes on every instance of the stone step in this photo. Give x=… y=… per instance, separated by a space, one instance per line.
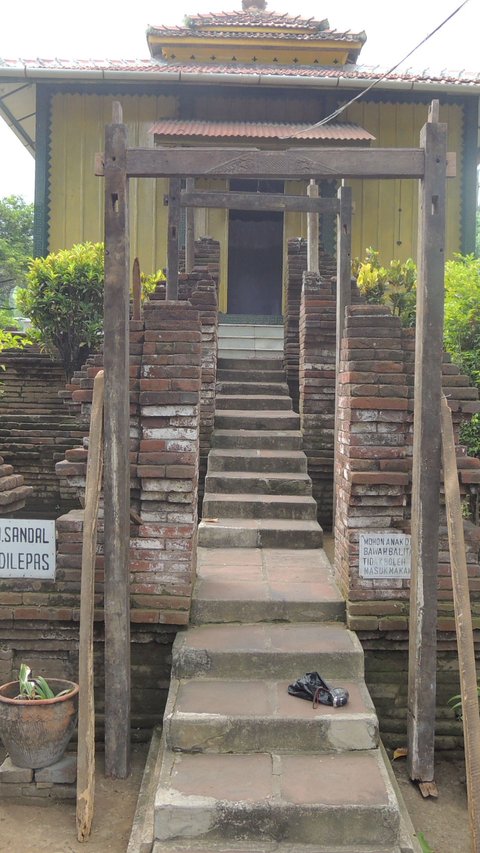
x=298 y=507
x=291 y=461
x=259 y=533
x=255 y=374
x=304 y=799
x=260 y=483
x=245 y=419
x=246 y=354
x=258 y=402
x=250 y=330
x=260 y=388
x=226 y=363
x=218 y=716
x=187 y=846
x=273 y=651
x=251 y=439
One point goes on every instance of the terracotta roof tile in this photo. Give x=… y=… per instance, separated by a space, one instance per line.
x=253 y=18
x=151 y=66
x=209 y=35
x=259 y=130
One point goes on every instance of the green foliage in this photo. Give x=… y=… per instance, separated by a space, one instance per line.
x=64 y=300
x=455 y=703
x=150 y=282
x=35 y=688
x=393 y=286
x=424 y=843
x=477 y=236
x=16 y=245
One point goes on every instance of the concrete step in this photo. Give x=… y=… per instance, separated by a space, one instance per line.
x=260 y=388
x=228 y=715
x=247 y=353
x=187 y=846
x=264 y=363
x=251 y=439
x=257 y=402
x=250 y=330
x=273 y=651
x=259 y=533
x=224 y=506
x=245 y=419
x=304 y=799
x=255 y=374
x=258 y=482
x=265 y=461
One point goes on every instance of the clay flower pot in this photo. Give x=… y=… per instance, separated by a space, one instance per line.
x=35 y=732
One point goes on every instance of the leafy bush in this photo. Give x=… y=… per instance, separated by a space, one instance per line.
x=64 y=300
x=393 y=286
x=150 y=282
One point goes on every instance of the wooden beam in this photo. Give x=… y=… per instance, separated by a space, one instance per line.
x=313 y=232
x=344 y=296
x=427 y=456
x=137 y=290
x=258 y=201
x=463 y=625
x=117 y=463
x=293 y=164
x=172 y=237
x=189 y=230
x=86 y=705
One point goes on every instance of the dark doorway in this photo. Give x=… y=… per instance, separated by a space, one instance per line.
x=255 y=255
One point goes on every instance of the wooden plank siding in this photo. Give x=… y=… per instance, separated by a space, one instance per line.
x=76 y=204
x=386 y=211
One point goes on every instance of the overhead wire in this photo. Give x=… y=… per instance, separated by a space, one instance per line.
x=361 y=94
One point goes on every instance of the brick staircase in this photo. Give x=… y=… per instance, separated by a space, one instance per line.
x=246 y=768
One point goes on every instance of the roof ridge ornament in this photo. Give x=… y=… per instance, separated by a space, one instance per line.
x=254 y=5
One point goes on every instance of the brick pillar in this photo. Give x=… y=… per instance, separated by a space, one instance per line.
x=163 y=551
x=317 y=331
x=372 y=454
x=204 y=299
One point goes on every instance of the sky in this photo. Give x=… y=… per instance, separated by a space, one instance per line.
x=95 y=30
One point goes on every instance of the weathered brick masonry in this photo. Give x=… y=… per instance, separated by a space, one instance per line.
x=374 y=462
x=35 y=426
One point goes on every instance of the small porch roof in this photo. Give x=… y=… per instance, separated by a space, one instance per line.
x=181 y=130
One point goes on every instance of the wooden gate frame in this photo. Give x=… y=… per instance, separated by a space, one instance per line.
x=429 y=164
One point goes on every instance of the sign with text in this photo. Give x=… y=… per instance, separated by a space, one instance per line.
x=27 y=549
x=384 y=555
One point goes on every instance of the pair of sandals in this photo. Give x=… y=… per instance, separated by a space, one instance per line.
x=312 y=687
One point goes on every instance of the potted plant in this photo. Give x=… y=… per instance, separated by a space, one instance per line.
x=37 y=718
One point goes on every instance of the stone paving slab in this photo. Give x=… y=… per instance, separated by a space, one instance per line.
x=268 y=650
x=265 y=585
x=302 y=798
x=246 y=716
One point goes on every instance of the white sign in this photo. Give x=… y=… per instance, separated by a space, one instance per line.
x=384 y=555
x=27 y=549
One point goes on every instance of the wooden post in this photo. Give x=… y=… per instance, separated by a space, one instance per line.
x=190 y=230
x=313 y=232
x=86 y=707
x=137 y=290
x=463 y=625
x=427 y=453
x=344 y=297
x=117 y=462
x=172 y=239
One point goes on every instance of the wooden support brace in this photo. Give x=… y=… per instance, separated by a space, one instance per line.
x=313 y=232
x=426 y=456
x=172 y=239
x=344 y=293
x=137 y=290
x=86 y=706
x=190 y=231
x=117 y=462
x=463 y=625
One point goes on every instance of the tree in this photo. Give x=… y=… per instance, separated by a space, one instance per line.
x=63 y=298
x=16 y=245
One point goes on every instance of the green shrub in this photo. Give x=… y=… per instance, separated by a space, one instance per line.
x=395 y=286
x=64 y=300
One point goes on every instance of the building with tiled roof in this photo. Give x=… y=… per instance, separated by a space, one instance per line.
x=245 y=77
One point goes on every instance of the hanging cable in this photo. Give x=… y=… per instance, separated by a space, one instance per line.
x=341 y=109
